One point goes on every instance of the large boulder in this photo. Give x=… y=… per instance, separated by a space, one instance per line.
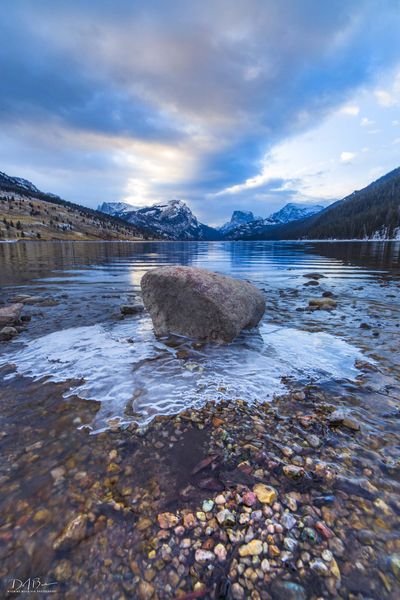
x=10 y=314
x=200 y=304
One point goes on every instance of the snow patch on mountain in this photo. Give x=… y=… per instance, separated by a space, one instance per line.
x=293 y=212
x=239 y=217
x=115 y=208
x=383 y=235
x=242 y=225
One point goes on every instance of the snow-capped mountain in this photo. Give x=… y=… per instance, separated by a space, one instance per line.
x=115 y=208
x=6 y=181
x=289 y=213
x=173 y=220
x=239 y=217
x=293 y=212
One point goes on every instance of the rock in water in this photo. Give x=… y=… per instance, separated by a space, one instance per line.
x=131 y=309
x=200 y=304
x=10 y=314
x=7 y=333
x=74 y=532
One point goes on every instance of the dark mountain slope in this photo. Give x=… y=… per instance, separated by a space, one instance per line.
x=371 y=212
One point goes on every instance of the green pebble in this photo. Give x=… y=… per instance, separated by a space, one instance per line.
x=309 y=534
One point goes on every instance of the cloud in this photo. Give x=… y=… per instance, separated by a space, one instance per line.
x=389 y=97
x=365 y=122
x=350 y=110
x=109 y=100
x=347 y=156
x=385 y=98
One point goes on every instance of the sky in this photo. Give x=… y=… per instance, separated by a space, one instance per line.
x=225 y=104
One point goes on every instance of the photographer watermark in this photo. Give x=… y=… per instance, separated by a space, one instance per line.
x=31 y=585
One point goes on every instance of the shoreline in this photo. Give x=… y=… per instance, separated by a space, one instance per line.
x=142 y=241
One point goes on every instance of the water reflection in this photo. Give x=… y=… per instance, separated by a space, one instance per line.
x=23 y=262
x=385 y=255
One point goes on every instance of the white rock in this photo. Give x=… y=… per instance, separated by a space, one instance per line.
x=204 y=556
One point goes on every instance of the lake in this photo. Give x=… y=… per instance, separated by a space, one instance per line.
x=82 y=381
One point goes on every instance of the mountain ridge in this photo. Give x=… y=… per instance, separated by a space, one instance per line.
x=294 y=211
x=27 y=212
x=170 y=220
x=175 y=220
x=111 y=208
x=288 y=213
x=238 y=218
x=370 y=213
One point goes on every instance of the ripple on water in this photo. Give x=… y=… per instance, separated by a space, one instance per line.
x=123 y=366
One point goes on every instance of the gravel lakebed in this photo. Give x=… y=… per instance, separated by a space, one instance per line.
x=233 y=500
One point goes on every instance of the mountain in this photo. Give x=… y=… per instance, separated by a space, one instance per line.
x=370 y=213
x=253 y=228
x=10 y=183
x=26 y=212
x=173 y=220
x=293 y=212
x=115 y=208
x=239 y=217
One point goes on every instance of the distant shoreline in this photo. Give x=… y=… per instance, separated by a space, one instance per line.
x=314 y=241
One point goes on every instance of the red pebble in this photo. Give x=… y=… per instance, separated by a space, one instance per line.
x=324 y=530
x=249 y=498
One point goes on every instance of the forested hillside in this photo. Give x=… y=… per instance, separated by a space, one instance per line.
x=28 y=213
x=370 y=213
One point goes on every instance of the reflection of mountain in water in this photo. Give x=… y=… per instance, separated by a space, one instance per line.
x=24 y=262
x=385 y=255
x=21 y=262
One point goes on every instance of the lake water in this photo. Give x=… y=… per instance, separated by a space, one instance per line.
x=121 y=364
x=80 y=377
